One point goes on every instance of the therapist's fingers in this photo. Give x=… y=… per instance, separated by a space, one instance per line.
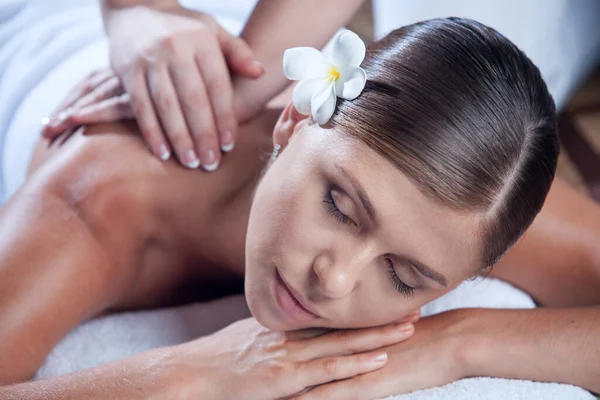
x=171 y=116
x=215 y=75
x=196 y=105
x=143 y=109
x=113 y=109
x=89 y=84
x=95 y=79
x=106 y=90
x=239 y=56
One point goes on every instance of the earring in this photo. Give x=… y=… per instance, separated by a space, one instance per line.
x=276 y=149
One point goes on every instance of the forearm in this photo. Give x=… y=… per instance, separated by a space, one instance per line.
x=278 y=25
x=115 y=4
x=543 y=344
x=137 y=377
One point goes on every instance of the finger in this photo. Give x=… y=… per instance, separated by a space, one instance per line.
x=351 y=341
x=353 y=388
x=329 y=369
x=412 y=317
x=110 y=88
x=113 y=109
x=144 y=112
x=196 y=106
x=171 y=117
x=239 y=56
x=215 y=74
x=91 y=82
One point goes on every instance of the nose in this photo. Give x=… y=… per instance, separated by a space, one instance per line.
x=338 y=276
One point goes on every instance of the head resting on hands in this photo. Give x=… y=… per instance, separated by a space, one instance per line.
x=425 y=179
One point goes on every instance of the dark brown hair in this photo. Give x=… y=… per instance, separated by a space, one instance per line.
x=467 y=116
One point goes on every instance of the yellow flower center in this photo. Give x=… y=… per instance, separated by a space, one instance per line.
x=334 y=74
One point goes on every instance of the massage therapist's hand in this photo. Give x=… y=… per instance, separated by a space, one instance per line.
x=248 y=361
x=175 y=66
x=438 y=353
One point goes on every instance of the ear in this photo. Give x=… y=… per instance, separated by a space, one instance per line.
x=287 y=124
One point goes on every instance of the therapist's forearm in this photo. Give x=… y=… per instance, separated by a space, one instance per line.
x=111 y=4
x=276 y=25
x=542 y=344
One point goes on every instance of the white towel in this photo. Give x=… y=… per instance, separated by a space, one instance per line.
x=117 y=336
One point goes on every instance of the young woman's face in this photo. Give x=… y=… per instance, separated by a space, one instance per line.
x=339 y=237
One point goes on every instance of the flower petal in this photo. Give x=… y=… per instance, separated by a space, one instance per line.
x=302 y=63
x=323 y=105
x=305 y=91
x=347 y=50
x=351 y=83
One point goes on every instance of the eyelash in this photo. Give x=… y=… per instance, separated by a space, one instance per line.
x=400 y=286
x=335 y=211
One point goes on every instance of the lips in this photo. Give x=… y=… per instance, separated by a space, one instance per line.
x=290 y=302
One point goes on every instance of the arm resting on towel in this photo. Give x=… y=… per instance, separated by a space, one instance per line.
x=542 y=344
x=558 y=263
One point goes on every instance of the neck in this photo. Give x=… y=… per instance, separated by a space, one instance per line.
x=240 y=174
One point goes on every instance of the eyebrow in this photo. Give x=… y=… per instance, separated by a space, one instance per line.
x=364 y=199
x=362 y=196
x=429 y=273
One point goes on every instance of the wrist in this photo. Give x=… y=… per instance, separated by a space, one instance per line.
x=487 y=347
x=182 y=372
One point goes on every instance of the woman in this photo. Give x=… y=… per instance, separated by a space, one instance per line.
x=424 y=180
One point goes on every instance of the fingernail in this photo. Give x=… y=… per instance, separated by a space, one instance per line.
x=192 y=160
x=210 y=161
x=227 y=142
x=45 y=121
x=404 y=327
x=379 y=358
x=165 y=154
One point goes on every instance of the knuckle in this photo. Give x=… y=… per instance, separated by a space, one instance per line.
x=150 y=133
x=331 y=367
x=195 y=98
x=180 y=140
x=164 y=102
x=276 y=369
x=345 y=337
x=169 y=44
x=138 y=106
x=217 y=85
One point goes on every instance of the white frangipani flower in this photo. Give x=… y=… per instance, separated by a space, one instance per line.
x=325 y=75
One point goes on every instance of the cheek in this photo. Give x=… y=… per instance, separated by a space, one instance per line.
x=277 y=218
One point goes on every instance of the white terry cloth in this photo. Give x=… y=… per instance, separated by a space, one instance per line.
x=562 y=37
x=114 y=337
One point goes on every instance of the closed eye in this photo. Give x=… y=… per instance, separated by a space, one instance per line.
x=400 y=286
x=335 y=211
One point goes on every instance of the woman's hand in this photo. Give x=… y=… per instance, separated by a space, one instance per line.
x=174 y=66
x=248 y=361
x=434 y=356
